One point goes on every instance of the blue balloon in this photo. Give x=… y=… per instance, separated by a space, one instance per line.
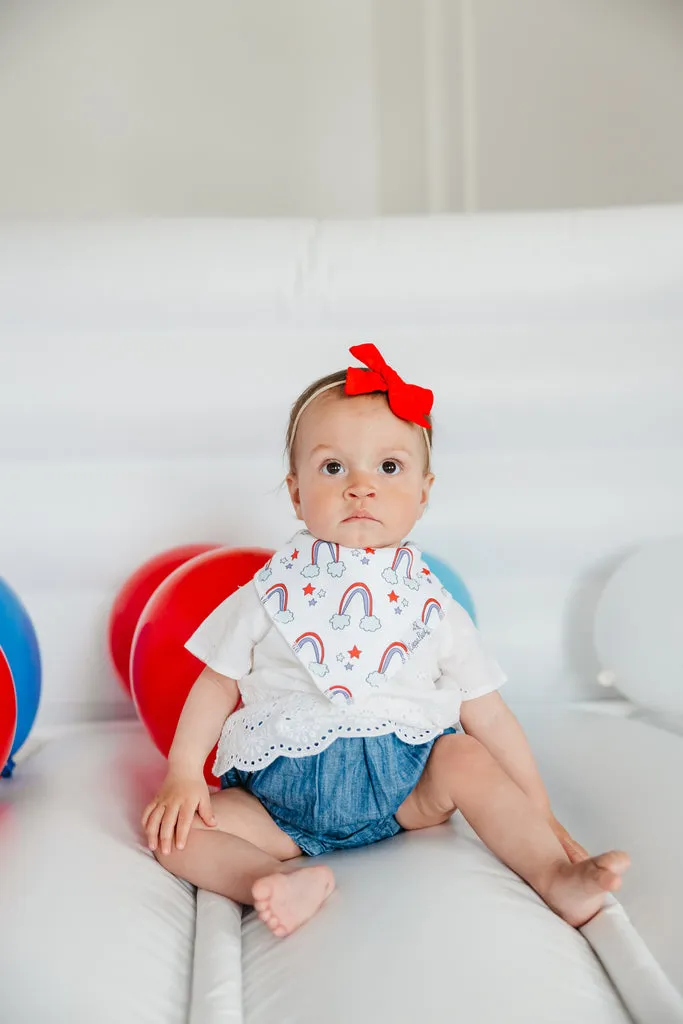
x=452 y=583
x=20 y=644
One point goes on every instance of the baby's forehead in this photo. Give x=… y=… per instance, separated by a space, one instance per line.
x=332 y=420
x=334 y=406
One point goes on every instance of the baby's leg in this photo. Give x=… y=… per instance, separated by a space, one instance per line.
x=244 y=857
x=461 y=773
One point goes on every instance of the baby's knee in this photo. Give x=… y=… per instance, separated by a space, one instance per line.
x=168 y=860
x=175 y=859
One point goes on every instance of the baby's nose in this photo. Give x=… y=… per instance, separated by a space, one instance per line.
x=360 y=486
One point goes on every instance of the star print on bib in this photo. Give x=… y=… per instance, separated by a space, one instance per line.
x=353 y=616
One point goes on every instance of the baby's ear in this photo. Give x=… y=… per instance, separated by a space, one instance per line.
x=427 y=486
x=427 y=482
x=293 y=488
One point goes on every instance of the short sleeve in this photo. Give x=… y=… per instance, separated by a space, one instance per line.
x=465 y=662
x=226 y=638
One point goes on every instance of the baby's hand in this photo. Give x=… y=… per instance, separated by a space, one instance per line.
x=173 y=808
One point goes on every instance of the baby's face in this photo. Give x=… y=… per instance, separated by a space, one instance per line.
x=359 y=475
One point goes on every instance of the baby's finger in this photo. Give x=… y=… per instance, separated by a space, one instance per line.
x=184 y=825
x=205 y=811
x=153 y=823
x=168 y=828
x=147 y=811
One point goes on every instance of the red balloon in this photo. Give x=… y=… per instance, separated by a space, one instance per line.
x=8 y=710
x=162 y=670
x=134 y=595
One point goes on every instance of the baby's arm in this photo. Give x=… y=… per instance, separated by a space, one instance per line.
x=490 y=721
x=208 y=704
x=184 y=790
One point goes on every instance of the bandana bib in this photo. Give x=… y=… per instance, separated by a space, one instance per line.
x=352 y=616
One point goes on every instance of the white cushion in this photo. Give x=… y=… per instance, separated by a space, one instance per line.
x=427 y=925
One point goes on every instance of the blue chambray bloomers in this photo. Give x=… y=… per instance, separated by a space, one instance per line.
x=345 y=796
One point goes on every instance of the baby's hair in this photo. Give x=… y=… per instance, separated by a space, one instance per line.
x=334 y=382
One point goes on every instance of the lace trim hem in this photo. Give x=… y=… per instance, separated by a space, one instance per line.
x=264 y=754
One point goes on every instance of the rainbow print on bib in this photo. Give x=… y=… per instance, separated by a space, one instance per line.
x=278 y=594
x=403 y=561
x=324 y=552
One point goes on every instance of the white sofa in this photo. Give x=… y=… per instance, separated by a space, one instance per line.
x=148 y=369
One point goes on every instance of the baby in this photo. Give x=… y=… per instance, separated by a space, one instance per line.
x=370 y=703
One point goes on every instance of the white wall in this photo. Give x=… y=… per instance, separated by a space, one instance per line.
x=147 y=371
x=337 y=107
x=147 y=107
x=578 y=102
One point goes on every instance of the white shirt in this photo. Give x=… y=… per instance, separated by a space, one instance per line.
x=284 y=712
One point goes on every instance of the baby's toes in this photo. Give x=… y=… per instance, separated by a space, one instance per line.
x=261 y=891
x=610 y=881
x=609 y=868
x=274 y=923
x=615 y=860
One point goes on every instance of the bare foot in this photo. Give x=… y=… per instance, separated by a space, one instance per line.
x=285 y=901
x=577 y=891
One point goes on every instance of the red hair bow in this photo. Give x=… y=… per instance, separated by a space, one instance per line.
x=407 y=401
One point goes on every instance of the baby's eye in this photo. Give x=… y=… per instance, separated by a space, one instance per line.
x=391 y=467
x=332 y=468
